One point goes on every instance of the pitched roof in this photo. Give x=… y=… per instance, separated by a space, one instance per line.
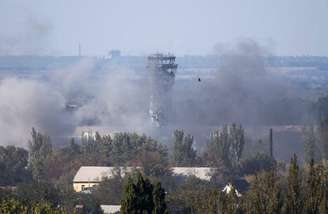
x=98 y=173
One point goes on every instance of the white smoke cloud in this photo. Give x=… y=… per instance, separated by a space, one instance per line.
x=26 y=104
x=113 y=99
x=119 y=100
x=241 y=91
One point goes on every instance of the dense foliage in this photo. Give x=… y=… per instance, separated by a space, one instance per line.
x=13 y=166
x=39 y=180
x=141 y=196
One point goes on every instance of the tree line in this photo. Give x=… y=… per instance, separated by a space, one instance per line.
x=40 y=178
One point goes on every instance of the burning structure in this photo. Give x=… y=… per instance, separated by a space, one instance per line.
x=162 y=69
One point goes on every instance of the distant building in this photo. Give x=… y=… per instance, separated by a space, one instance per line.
x=88 y=177
x=110 y=209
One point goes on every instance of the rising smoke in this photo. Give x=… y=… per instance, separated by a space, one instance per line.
x=242 y=90
x=29 y=103
x=112 y=101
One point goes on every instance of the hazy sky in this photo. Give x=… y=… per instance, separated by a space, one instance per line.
x=287 y=27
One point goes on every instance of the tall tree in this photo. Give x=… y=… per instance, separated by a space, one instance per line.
x=322 y=106
x=40 y=150
x=129 y=203
x=237 y=142
x=313 y=189
x=309 y=144
x=324 y=189
x=159 y=200
x=226 y=146
x=110 y=190
x=140 y=196
x=13 y=162
x=294 y=203
x=183 y=152
x=265 y=195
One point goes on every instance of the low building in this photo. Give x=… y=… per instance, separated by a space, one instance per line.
x=110 y=209
x=90 y=176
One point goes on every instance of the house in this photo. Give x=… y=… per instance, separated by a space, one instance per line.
x=90 y=176
x=227 y=189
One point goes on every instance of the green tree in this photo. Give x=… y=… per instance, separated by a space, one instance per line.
x=153 y=157
x=36 y=192
x=294 y=203
x=322 y=106
x=96 y=151
x=226 y=147
x=313 y=191
x=237 y=143
x=89 y=204
x=229 y=202
x=40 y=151
x=124 y=147
x=324 y=189
x=13 y=162
x=129 y=204
x=110 y=191
x=309 y=144
x=194 y=195
x=265 y=195
x=11 y=205
x=159 y=199
x=46 y=208
x=140 y=196
x=183 y=152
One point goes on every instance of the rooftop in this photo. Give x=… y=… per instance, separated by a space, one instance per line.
x=96 y=174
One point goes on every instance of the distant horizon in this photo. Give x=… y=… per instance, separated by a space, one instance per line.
x=123 y=54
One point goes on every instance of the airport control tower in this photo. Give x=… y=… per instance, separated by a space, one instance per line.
x=162 y=69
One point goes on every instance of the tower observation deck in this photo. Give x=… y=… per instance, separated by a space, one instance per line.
x=162 y=69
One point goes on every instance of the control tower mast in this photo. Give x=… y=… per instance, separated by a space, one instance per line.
x=162 y=69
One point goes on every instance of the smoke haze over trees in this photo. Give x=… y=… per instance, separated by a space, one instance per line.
x=242 y=90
